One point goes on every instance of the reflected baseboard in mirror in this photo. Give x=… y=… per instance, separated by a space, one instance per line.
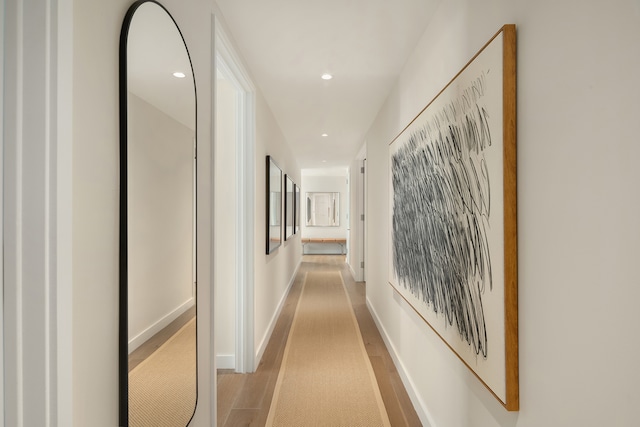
x=161 y=387
x=158 y=296
x=141 y=353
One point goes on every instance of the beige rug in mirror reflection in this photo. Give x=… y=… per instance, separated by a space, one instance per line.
x=163 y=388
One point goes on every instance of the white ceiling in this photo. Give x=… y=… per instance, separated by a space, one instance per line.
x=289 y=44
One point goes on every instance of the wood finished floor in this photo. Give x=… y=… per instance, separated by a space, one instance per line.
x=244 y=399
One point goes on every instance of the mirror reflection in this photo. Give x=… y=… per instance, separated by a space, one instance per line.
x=274 y=205
x=323 y=209
x=158 y=257
x=296 y=219
x=289 y=212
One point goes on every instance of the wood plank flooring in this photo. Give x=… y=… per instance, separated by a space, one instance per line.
x=244 y=399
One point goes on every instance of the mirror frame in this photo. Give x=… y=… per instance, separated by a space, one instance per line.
x=289 y=212
x=123 y=326
x=273 y=221
x=296 y=209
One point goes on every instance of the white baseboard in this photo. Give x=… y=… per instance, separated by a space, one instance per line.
x=418 y=403
x=272 y=324
x=226 y=361
x=142 y=337
x=356 y=276
x=352 y=271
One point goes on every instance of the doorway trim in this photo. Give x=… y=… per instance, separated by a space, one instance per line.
x=357 y=244
x=227 y=60
x=2 y=346
x=36 y=158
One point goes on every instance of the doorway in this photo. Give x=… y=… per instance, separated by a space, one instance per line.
x=362 y=224
x=2 y=7
x=226 y=222
x=233 y=211
x=357 y=241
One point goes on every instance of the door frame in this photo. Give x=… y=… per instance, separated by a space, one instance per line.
x=37 y=142
x=357 y=243
x=228 y=60
x=2 y=346
x=363 y=222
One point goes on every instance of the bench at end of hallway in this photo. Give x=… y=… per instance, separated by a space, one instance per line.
x=325 y=241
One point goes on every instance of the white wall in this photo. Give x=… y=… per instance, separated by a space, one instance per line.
x=96 y=30
x=274 y=273
x=323 y=183
x=226 y=223
x=578 y=127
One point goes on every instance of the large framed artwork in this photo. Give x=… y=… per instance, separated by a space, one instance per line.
x=274 y=205
x=453 y=228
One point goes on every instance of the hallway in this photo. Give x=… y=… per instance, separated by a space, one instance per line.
x=245 y=399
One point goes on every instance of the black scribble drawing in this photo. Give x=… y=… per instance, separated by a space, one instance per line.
x=441 y=208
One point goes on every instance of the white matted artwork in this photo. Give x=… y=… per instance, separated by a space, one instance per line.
x=453 y=230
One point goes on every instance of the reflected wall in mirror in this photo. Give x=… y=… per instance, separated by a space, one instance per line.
x=274 y=205
x=288 y=207
x=323 y=209
x=158 y=360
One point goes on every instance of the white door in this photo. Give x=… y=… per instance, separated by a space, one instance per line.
x=2 y=216
x=363 y=220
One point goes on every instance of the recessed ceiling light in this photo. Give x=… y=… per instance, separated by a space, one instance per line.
x=325 y=135
x=179 y=75
x=327 y=76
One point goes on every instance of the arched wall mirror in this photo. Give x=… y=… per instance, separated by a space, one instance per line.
x=158 y=346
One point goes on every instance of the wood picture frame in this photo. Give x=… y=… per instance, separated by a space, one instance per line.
x=453 y=216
